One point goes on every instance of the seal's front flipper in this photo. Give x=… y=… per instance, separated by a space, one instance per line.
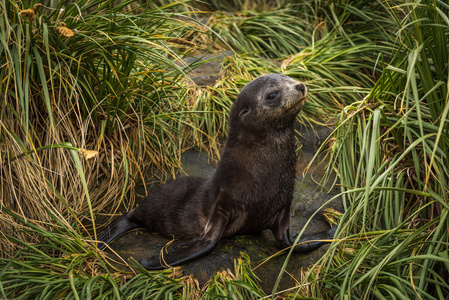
x=117 y=227
x=181 y=253
x=316 y=240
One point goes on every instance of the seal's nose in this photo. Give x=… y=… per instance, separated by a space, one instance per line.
x=301 y=87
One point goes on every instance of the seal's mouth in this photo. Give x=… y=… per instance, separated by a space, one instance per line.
x=297 y=105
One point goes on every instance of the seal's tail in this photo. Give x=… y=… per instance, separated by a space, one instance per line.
x=117 y=227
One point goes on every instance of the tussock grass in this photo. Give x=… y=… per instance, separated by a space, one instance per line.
x=288 y=27
x=87 y=76
x=391 y=155
x=230 y=6
x=262 y=32
x=91 y=93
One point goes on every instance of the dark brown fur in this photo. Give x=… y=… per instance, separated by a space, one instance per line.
x=250 y=191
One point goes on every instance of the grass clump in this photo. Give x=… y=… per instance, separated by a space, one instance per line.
x=262 y=32
x=391 y=155
x=86 y=77
x=288 y=27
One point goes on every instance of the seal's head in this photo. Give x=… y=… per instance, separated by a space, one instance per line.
x=271 y=100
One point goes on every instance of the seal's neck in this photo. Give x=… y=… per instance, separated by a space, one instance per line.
x=255 y=137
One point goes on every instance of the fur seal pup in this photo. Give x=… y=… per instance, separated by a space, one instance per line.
x=250 y=191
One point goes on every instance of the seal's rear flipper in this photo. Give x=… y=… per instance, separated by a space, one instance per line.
x=316 y=240
x=181 y=254
x=195 y=248
x=119 y=226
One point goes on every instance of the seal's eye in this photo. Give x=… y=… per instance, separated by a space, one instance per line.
x=272 y=95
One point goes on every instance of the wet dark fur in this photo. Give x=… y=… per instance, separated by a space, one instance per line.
x=250 y=191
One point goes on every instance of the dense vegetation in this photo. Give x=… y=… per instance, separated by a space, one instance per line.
x=93 y=93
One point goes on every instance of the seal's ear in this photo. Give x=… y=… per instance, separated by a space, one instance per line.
x=243 y=111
